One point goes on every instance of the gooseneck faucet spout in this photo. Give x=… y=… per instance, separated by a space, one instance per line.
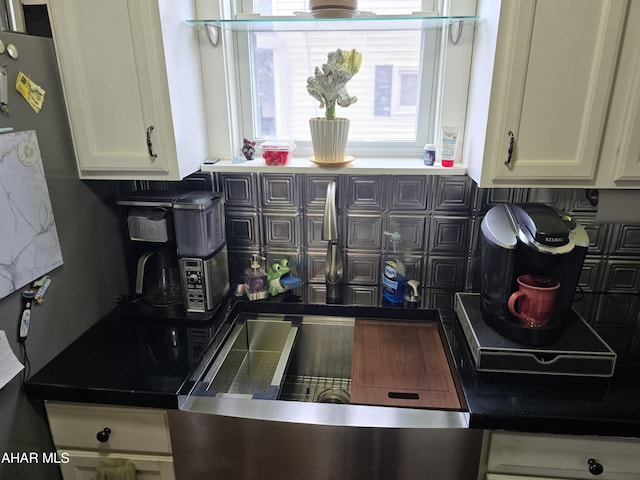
x=333 y=268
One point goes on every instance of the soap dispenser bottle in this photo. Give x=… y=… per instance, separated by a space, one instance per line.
x=393 y=273
x=255 y=280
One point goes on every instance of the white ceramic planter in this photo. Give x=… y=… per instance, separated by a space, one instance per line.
x=329 y=139
x=332 y=4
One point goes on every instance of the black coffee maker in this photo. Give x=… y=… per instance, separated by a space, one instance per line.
x=527 y=238
x=177 y=254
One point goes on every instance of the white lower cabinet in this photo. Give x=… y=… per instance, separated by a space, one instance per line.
x=522 y=456
x=85 y=435
x=498 y=476
x=82 y=465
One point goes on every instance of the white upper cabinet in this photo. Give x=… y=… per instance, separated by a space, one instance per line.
x=542 y=77
x=620 y=158
x=133 y=87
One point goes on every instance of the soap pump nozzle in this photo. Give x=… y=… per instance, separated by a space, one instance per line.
x=255 y=264
x=395 y=238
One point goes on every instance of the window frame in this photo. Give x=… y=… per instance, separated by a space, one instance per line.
x=222 y=72
x=427 y=100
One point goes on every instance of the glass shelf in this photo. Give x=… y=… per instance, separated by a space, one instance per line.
x=306 y=22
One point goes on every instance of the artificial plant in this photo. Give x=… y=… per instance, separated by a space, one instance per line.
x=328 y=85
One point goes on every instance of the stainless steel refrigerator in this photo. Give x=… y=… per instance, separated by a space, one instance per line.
x=84 y=288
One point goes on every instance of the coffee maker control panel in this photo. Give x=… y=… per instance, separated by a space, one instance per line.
x=205 y=281
x=194 y=279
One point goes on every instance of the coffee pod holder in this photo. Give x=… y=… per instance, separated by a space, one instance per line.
x=513 y=329
x=579 y=351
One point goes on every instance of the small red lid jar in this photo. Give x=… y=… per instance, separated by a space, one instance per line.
x=276 y=153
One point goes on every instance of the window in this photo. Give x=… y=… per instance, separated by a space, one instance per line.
x=408 y=84
x=396 y=86
x=383 y=90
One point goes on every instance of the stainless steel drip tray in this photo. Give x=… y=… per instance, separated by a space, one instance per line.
x=253 y=360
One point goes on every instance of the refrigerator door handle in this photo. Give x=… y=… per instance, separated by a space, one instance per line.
x=4 y=99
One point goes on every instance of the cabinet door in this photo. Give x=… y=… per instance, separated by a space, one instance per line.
x=115 y=86
x=81 y=465
x=554 y=66
x=130 y=429
x=561 y=456
x=496 y=476
x=621 y=148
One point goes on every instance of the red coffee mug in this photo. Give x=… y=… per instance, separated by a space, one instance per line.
x=535 y=300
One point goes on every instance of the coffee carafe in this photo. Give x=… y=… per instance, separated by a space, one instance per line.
x=536 y=243
x=158 y=278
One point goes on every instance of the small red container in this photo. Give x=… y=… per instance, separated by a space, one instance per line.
x=447 y=162
x=277 y=153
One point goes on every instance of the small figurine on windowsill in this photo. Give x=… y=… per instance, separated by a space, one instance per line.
x=248 y=148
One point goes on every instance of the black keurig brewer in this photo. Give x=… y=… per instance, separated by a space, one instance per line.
x=529 y=239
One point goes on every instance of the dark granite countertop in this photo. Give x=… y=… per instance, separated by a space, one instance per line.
x=120 y=361
x=544 y=403
x=125 y=362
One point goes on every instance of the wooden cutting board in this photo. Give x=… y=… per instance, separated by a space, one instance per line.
x=401 y=364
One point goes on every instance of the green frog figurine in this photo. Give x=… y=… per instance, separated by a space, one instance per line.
x=279 y=278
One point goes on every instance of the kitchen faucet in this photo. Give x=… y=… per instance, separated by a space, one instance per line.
x=333 y=268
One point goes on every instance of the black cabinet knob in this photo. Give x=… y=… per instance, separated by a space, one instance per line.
x=103 y=435
x=594 y=467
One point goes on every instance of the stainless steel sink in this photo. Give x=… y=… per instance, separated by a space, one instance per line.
x=259 y=351
x=309 y=430
x=252 y=361
x=320 y=364
x=312 y=373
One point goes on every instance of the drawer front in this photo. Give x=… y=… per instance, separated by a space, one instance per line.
x=131 y=429
x=499 y=476
x=82 y=465
x=563 y=456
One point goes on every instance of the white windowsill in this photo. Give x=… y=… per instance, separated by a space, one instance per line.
x=359 y=166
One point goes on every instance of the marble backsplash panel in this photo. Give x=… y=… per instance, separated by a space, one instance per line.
x=29 y=244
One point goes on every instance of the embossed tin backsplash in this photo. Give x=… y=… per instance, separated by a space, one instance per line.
x=277 y=215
